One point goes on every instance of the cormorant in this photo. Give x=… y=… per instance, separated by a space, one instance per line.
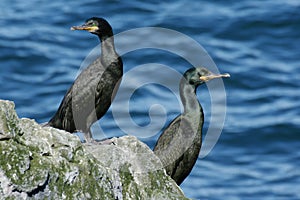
x=91 y=94
x=179 y=145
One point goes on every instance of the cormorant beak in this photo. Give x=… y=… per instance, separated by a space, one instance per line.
x=213 y=76
x=85 y=28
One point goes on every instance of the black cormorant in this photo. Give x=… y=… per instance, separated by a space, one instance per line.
x=179 y=145
x=91 y=94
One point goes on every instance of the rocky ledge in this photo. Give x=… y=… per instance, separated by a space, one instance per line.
x=46 y=163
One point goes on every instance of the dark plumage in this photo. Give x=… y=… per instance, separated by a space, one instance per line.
x=91 y=94
x=179 y=145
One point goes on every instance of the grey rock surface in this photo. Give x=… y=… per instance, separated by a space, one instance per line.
x=46 y=163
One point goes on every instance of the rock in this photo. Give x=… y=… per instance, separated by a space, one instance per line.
x=46 y=163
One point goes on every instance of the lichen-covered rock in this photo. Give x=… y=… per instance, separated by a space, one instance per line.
x=46 y=163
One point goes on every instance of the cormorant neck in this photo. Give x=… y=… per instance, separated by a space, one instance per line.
x=106 y=35
x=108 y=51
x=188 y=97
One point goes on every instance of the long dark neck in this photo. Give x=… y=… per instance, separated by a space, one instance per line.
x=108 y=52
x=189 y=98
x=192 y=112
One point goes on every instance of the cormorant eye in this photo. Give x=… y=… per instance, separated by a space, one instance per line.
x=91 y=23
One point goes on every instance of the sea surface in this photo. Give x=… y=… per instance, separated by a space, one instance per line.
x=257 y=155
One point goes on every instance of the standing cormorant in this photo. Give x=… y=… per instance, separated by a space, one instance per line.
x=179 y=145
x=91 y=94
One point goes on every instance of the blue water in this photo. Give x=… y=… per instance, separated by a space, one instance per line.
x=257 y=42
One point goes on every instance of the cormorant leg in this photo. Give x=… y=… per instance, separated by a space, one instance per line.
x=88 y=137
x=107 y=141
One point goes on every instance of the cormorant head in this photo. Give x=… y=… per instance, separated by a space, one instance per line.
x=199 y=75
x=95 y=25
